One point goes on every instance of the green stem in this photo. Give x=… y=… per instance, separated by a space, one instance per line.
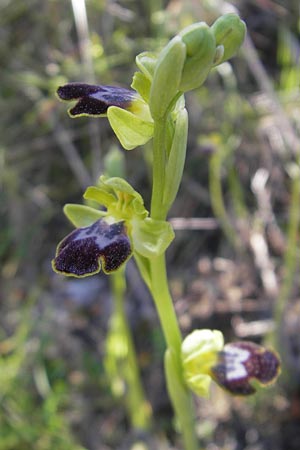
x=164 y=304
x=180 y=396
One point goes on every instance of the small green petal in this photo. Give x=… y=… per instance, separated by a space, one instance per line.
x=151 y=237
x=146 y=62
x=199 y=384
x=131 y=130
x=118 y=185
x=99 y=195
x=81 y=215
x=142 y=85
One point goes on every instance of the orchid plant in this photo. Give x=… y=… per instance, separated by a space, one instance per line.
x=120 y=227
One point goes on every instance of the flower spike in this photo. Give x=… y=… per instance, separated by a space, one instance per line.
x=85 y=250
x=94 y=100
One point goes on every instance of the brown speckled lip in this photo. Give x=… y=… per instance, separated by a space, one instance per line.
x=240 y=362
x=86 y=250
x=94 y=100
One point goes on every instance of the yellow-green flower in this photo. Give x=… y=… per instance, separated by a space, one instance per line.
x=233 y=366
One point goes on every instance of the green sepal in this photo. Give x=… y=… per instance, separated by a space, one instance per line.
x=200 y=52
x=229 y=31
x=142 y=85
x=151 y=237
x=199 y=353
x=146 y=62
x=167 y=77
x=175 y=164
x=130 y=129
x=99 y=195
x=82 y=215
x=200 y=384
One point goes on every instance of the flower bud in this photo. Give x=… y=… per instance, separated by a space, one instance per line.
x=200 y=51
x=229 y=31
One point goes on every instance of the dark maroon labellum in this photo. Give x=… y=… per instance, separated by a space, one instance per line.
x=85 y=250
x=94 y=100
x=239 y=362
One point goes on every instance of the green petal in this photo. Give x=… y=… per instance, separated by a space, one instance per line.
x=129 y=128
x=146 y=62
x=142 y=85
x=99 y=195
x=151 y=237
x=81 y=215
x=199 y=384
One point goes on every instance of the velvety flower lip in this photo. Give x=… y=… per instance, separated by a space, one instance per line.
x=240 y=362
x=94 y=100
x=84 y=251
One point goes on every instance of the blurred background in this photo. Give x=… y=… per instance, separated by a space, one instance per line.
x=233 y=266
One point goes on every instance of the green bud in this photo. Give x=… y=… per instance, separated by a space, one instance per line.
x=229 y=30
x=167 y=76
x=200 y=52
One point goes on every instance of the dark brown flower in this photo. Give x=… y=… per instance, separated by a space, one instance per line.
x=240 y=362
x=94 y=100
x=84 y=251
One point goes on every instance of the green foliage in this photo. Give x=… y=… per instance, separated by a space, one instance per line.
x=34 y=397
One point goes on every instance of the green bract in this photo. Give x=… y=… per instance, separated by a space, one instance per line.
x=175 y=164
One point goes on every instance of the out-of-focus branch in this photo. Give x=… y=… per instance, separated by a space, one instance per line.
x=71 y=154
x=283 y=124
x=194 y=223
x=85 y=46
x=257 y=238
